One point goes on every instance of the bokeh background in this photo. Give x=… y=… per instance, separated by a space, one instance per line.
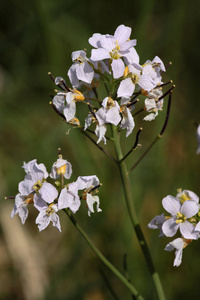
x=38 y=36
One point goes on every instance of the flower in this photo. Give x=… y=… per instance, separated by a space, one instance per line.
x=81 y=69
x=61 y=167
x=109 y=113
x=35 y=183
x=113 y=47
x=134 y=75
x=69 y=197
x=46 y=215
x=127 y=120
x=20 y=206
x=100 y=130
x=186 y=195
x=89 y=184
x=179 y=244
x=180 y=213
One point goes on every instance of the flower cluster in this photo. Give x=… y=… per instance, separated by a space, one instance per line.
x=47 y=198
x=184 y=216
x=115 y=61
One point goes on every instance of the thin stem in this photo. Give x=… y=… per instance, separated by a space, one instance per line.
x=129 y=286
x=100 y=148
x=158 y=136
x=109 y=285
x=133 y=217
x=134 y=146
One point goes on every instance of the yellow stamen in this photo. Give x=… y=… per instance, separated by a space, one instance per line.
x=61 y=170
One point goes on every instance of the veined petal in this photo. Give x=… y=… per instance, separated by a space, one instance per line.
x=171 y=204
x=170 y=227
x=72 y=75
x=70 y=111
x=85 y=72
x=99 y=54
x=189 y=208
x=127 y=45
x=146 y=83
x=118 y=67
x=131 y=56
x=48 y=192
x=122 y=34
x=113 y=115
x=107 y=42
x=126 y=88
x=188 y=230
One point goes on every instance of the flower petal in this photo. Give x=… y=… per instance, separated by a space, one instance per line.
x=171 y=204
x=170 y=227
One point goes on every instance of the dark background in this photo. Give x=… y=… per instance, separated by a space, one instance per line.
x=38 y=37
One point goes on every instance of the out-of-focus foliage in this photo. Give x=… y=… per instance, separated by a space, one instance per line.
x=39 y=36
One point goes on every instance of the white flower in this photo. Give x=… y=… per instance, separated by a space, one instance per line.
x=186 y=195
x=180 y=213
x=46 y=215
x=100 y=130
x=69 y=197
x=81 y=69
x=109 y=113
x=88 y=184
x=113 y=47
x=179 y=244
x=127 y=120
x=35 y=182
x=20 y=206
x=135 y=75
x=198 y=139
x=61 y=167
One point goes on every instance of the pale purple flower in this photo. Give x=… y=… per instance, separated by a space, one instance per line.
x=157 y=222
x=46 y=215
x=81 y=69
x=61 y=167
x=179 y=244
x=152 y=106
x=100 y=130
x=20 y=206
x=88 y=184
x=109 y=113
x=198 y=139
x=180 y=213
x=127 y=120
x=65 y=102
x=184 y=195
x=113 y=47
x=35 y=182
x=135 y=77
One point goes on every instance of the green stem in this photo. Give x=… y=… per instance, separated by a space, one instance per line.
x=129 y=286
x=133 y=217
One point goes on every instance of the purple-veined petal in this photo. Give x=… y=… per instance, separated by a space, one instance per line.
x=48 y=192
x=170 y=227
x=188 y=231
x=122 y=34
x=99 y=54
x=171 y=205
x=70 y=111
x=85 y=72
x=118 y=67
x=189 y=208
x=126 y=88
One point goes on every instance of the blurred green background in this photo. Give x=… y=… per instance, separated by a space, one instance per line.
x=38 y=36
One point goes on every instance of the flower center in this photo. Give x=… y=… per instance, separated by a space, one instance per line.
x=183 y=197
x=50 y=210
x=28 y=199
x=115 y=51
x=110 y=103
x=37 y=186
x=79 y=60
x=180 y=218
x=61 y=170
x=135 y=78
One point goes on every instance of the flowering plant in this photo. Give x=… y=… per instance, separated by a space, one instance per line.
x=131 y=88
